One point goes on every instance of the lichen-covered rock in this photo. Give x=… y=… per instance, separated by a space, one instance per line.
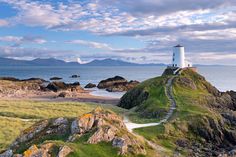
x=64 y=151
x=120 y=143
x=44 y=150
x=30 y=133
x=107 y=127
x=106 y=133
x=7 y=153
x=82 y=124
x=101 y=126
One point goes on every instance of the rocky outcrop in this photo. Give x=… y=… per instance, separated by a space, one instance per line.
x=120 y=87
x=90 y=85
x=111 y=81
x=75 y=76
x=7 y=153
x=64 y=151
x=117 y=84
x=55 y=78
x=61 y=86
x=101 y=126
x=108 y=128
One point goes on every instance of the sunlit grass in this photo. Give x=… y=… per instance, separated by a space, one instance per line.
x=16 y=116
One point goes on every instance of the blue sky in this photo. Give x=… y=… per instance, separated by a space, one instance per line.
x=143 y=31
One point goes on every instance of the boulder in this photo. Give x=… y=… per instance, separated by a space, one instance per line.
x=121 y=144
x=59 y=86
x=64 y=151
x=108 y=127
x=121 y=87
x=9 y=79
x=55 y=78
x=7 y=153
x=111 y=81
x=56 y=86
x=101 y=126
x=90 y=85
x=106 y=133
x=82 y=124
x=63 y=94
x=35 y=80
x=44 y=151
x=75 y=76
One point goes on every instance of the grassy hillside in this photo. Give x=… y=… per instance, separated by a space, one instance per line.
x=148 y=99
x=16 y=116
x=197 y=122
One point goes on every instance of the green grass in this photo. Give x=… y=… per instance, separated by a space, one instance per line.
x=192 y=106
x=15 y=116
x=149 y=108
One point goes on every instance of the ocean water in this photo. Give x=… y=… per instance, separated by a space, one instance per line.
x=223 y=77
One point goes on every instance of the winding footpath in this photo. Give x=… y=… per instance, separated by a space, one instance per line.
x=169 y=92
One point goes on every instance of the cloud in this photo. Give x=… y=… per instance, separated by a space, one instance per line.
x=3 y=23
x=161 y=7
x=18 y=40
x=202 y=26
x=91 y=44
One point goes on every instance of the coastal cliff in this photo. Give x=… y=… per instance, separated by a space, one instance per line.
x=203 y=122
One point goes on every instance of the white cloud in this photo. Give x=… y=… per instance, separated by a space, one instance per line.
x=21 y=40
x=206 y=26
x=3 y=23
x=91 y=44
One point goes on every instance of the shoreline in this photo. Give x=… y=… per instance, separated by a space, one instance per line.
x=85 y=97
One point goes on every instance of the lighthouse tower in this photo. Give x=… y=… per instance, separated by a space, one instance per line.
x=178 y=57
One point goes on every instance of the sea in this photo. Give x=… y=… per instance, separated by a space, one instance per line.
x=222 y=77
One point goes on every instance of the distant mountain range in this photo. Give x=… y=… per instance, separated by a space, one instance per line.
x=56 y=62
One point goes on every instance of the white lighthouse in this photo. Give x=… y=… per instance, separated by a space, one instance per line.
x=178 y=59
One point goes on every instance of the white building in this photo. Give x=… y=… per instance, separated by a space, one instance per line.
x=178 y=59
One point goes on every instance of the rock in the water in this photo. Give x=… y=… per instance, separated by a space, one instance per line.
x=90 y=85
x=121 y=87
x=55 y=78
x=75 y=76
x=9 y=79
x=111 y=81
x=117 y=84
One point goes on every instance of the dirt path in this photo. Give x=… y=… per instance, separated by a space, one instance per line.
x=169 y=92
x=130 y=126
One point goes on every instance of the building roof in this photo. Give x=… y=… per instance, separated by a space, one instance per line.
x=178 y=45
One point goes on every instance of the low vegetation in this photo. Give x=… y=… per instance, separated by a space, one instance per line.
x=197 y=121
x=16 y=116
x=148 y=99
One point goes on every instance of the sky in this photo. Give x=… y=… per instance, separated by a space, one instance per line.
x=139 y=31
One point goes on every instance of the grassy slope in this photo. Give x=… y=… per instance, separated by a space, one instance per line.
x=153 y=107
x=16 y=116
x=191 y=107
